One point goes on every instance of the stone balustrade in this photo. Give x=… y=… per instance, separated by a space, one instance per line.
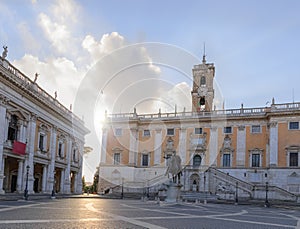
x=17 y=77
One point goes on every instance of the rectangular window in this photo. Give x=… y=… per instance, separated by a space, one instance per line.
x=226 y=160
x=60 y=150
x=293 y=159
x=294 y=125
x=118 y=132
x=256 y=129
x=145 y=160
x=12 y=128
x=198 y=130
x=227 y=130
x=117 y=157
x=170 y=131
x=74 y=155
x=255 y=160
x=146 y=133
x=41 y=142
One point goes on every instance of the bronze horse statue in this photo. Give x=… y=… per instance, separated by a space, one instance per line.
x=174 y=168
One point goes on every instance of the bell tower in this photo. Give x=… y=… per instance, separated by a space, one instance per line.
x=203 y=89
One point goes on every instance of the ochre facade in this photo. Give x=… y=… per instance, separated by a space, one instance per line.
x=253 y=146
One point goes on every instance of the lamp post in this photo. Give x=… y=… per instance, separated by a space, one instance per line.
x=53 y=188
x=122 y=189
x=26 y=185
x=204 y=180
x=267 y=204
x=236 y=193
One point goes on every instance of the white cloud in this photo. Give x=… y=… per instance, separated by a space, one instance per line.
x=60 y=27
x=65 y=11
x=30 y=43
x=107 y=44
x=55 y=74
x=57 y=34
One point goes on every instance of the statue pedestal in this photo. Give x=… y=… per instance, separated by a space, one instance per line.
x=173 y=192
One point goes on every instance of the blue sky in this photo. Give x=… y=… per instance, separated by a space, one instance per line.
x=253 y=44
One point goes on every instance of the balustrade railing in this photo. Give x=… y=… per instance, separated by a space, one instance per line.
x=261 y=111
x=232 y=180
x=18 y=77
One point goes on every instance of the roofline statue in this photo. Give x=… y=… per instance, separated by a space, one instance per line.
x=5 y=51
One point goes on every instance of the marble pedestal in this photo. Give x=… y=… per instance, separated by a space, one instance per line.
x=173 y=192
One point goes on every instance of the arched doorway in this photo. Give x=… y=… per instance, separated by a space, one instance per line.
x=194 y=182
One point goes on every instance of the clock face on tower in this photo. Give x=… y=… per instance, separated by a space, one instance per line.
x=202 y=91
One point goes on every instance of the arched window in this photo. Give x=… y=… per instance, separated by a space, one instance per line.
x=202 y=101
x=197 y=160
x=203 y=80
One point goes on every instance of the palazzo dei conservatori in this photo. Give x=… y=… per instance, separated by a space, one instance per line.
x=243 y=151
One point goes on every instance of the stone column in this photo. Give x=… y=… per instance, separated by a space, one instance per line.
x=22 y=137
x=103 y=146
x=3 y=124
x=77 y=189
x=78 y=182
x=44 y=181
x=157 y=146
x=182 y=145
x=213 y=146
x=20 y=177
x=62 y=181
x=29 y=158
x=273 y=144
x=51 y=166
x=67 y=181
x=241 y=146
x=133 y=146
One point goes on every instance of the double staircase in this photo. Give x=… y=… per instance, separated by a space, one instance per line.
x=253 y=191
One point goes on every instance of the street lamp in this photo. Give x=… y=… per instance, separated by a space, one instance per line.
x=53 y=188
x=236 y=193
x=204 y=180
x=26 y=185
x=267 y=204
x=122 y=189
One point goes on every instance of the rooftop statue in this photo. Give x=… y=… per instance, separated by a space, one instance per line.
x=5 y=51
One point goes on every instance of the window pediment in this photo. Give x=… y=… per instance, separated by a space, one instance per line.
x=293 y=148
x=19 y=113
x=117 y=149
x=256 y=150
x=226 y=147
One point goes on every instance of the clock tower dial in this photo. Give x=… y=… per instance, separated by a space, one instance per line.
x=202 y=91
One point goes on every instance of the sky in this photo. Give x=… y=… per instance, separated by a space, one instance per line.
x=116 y=55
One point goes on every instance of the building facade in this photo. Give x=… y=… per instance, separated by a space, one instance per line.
x=39 y=135
x=221 y=150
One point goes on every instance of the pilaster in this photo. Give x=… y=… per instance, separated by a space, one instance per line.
x=133 y=146
x=213 y=146
x=2 y=138
x=103 y=146
x=30 y=153
x=182 y=145
x=157 y=146
x=241 y=146
x=273 y=144
x=51 y=167
x=67 y=182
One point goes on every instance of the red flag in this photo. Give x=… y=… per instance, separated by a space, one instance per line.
x=19 y=148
